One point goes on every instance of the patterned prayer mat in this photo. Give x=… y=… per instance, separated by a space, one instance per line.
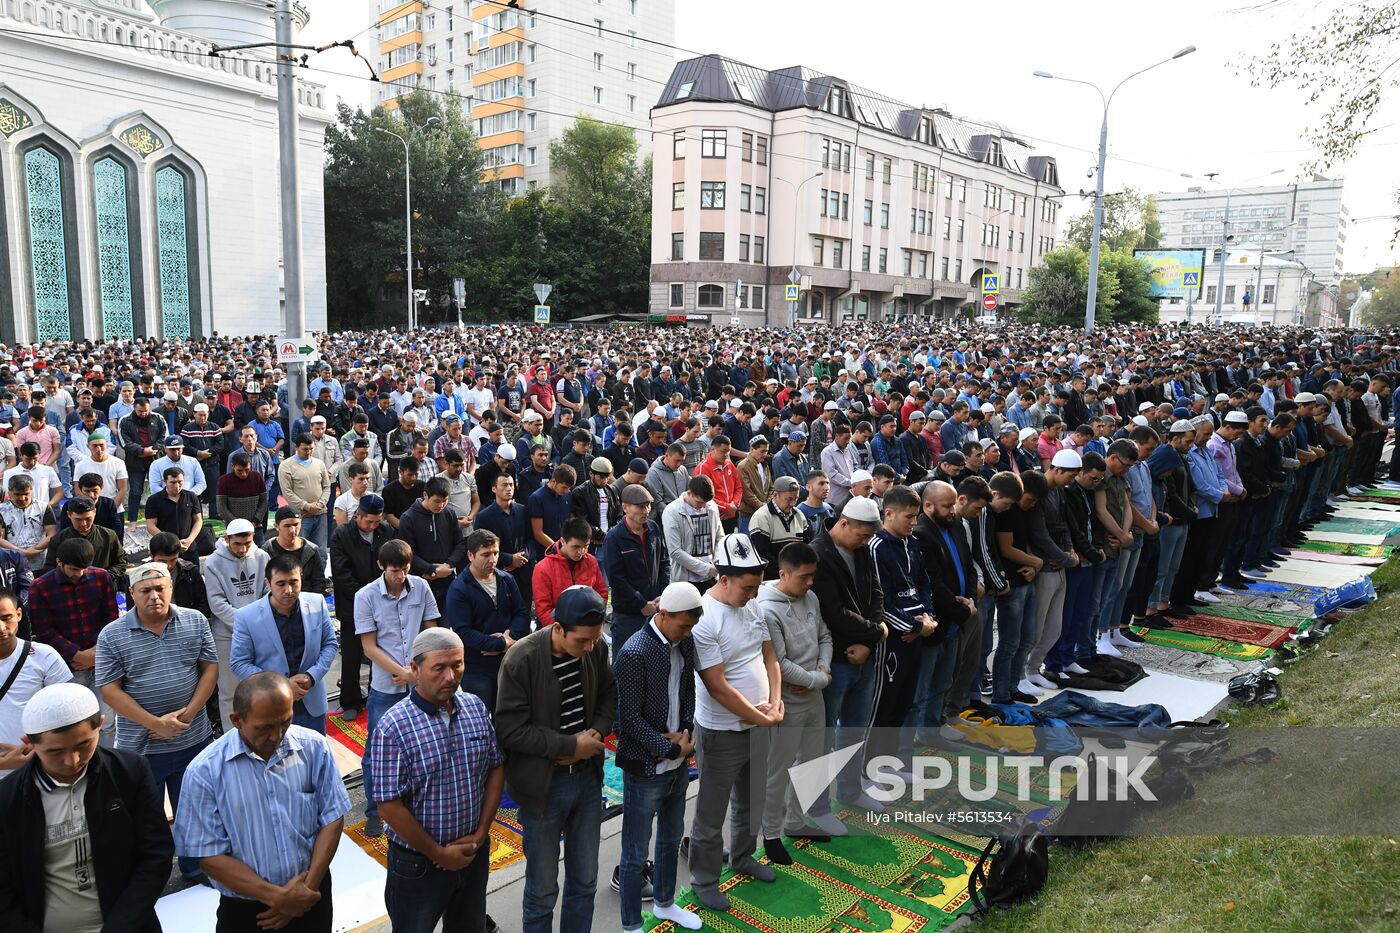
x=1186 y=641
x=1348 y=550
x=507 y=844
x=352 y=733
x=1245 y=632
x=1324 y=558
x=1359 y=526
x=1286 y=619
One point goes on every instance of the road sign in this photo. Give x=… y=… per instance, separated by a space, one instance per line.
x=793 y=277
x=1191 y=279
x=295 y=350
x=542 y=291
x=989 y=302
x=734 y=320
x=792 y=293
x=541 y=314
x=991 y=283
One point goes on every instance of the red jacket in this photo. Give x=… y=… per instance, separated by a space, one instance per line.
x=728 y=490
x=555 y=573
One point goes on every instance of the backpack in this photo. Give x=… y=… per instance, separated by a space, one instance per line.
x=1017 y=871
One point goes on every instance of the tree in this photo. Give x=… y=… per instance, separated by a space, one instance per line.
x=1129 y=222
x=454 y=216
x=1383 y=310
x=1059 y=289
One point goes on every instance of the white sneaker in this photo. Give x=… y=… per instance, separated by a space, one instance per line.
x=1209 y=598
x=1120 y=641
x=1042 y=681
x=1028 y=688
x=1106 y=646
x=1076 y=668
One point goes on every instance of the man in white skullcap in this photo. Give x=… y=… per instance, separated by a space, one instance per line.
x=86 y=847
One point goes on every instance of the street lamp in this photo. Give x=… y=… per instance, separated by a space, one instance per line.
x=408 y=217
x=1225 y=244
x=1098 y=194
x=793 y=277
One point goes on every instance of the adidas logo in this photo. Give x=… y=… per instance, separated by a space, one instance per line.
x=243 y=584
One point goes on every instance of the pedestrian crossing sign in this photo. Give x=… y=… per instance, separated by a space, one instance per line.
x=541 y=314
x=991 y=283
x=1191 y=280
x=792 y=293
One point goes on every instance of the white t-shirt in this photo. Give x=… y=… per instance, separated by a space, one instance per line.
x=732 y=637
x=460 y=493
x=349 y=503
x=480 y=399
x=112 y=471
x=43 y=667
x=44 y=477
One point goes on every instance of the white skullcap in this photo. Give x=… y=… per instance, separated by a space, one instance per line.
x=435 y=639
x=680 y=597
x=1222 y=397
x=861 y=509
x=1025 y=433
x=1067 y=460
x=1237 y=417
x=58 y=706
x=860 y=476
x=1184 y=426
x=1140 y=421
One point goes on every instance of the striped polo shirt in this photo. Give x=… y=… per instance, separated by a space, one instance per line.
x=159 y=672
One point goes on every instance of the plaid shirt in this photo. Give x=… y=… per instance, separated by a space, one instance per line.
x=436 y=762
x=69 y=615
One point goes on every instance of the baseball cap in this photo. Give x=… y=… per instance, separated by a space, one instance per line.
x=636 y=494
x=449 y=416
x=680 y=597
x=174 y=440
x=148 y=571
x=953 y=458
x=601 y=465
x=286 y=512
x=861 y=509
x=785 y=484
x=580 y=605
x=736 y=554
x=239 y=526
x=1067 y=460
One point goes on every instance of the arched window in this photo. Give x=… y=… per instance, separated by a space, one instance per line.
x=710 y=296
x=176 y=250
x=111 y=195
x=45 y=199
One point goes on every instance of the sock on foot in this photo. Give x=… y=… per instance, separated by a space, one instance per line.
x=677 y=915
x=777 y=853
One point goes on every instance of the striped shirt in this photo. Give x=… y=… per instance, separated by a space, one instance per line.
x=436 y=762
x=159 y=672
x=569 y=670
x=266 y=814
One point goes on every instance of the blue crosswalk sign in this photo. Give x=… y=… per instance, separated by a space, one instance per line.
x=1191 y=278
x=991 y=283
x=792 y=293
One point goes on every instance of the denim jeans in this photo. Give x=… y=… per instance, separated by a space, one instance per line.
x=481 y=684
x=936 y=666
x=623 y=627
x=301 y=717
x=314 y=529
x=1173 y=545
x=1256 y=542
x=168 y=770
x=1116 y=584
x=378 y=704
x=417 y=894
x=848 y=699
x=1079 y=588
x=574 y=810
x=659 y=798
x=1015 y=633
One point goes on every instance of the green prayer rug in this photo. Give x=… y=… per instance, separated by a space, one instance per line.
x=1348 y=550
x=1358 y=526
x=1204 y=644
x=1243 y=614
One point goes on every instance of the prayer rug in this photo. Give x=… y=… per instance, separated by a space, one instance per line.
x=1239 y=630
x=1324 y=558
x=1348 y=550
x=1222 y=611
x=352 y=733
x=507 y=843
x=1288 y=592
x=1186 y=641
x=1359 y=526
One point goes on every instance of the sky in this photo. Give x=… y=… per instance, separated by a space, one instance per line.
x=1195 y=115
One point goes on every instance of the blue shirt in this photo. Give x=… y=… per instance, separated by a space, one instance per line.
x=1140 y=487
x=554 y=510
x=266 y=814
x=269 y=433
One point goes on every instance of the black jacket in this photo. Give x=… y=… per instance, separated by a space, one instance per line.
x=128 y=832
x=354 y=564
x=190 y=592
x=313 y=564
x=1085 y=531
x=943 y=572
x=851 y=608
x=435 y=539
x=1251 y=461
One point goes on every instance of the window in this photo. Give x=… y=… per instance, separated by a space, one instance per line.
x=838 y=254
x=758 y=249
x=1229 y=294
x=845 y=207
x=1019 y=273
x=961 y=224
x=759 y=298
x=1210 y=294
x=884 y=258
x=114 y=254
x=746 y=147
x=962 y=189
x=1020 y=242
x=1268 y=294
x=743 y=247
x=677 y=246
x=684 y=90
x=597 y=95
x=888 y=171
x=947 y=228
x=631 y=103
x=818 y=250
x=712 y=247
x=745 y=197
x=451 y=82
x=431 y=82
x=833 y=209
x=677 y=294
x=678 y=146
x=957 y=271
x=529 y=88
x=762 y=150
x=597 y=61
x=710 y=296
x=835 y=100
x=865 y=259
x=677 y=195
x=598 y=25
x=885 y=216
x=711 y=195
x=760 y=200
x=179 y=310
x=869 y=215
x=943 y=271
x=632 y=7
x=631 y=38
x=714 y=144
x=870 y=166
x=530 y=156
x=447 y=44
x=631 y=71
x=923 y=265
x=908 y=262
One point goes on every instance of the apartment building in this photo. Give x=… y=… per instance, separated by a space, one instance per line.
x=525 y=75
x=879 y=209
x=1304 y=221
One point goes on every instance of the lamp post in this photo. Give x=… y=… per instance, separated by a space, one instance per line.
x=408 y=218
x=793 y=277
x=1098 y=193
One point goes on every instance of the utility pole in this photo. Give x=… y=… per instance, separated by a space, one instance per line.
x=294 y=299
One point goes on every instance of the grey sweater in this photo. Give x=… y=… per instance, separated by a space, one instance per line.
x=800 y=640
x=232 y=584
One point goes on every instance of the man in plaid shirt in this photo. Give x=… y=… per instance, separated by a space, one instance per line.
x=438 y=773
x=68 y=606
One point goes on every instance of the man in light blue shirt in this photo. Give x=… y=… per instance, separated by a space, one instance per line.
x=262 y=811
x=175 y=457
x=324 y=380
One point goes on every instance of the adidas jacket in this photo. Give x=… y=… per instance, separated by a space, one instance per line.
x=899 y=564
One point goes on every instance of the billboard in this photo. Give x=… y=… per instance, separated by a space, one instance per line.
x=1175 y=272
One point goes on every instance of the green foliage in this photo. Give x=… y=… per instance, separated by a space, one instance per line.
x=1129 y=222
x=1384 y=308
x=1059 y=289
x=588 y=235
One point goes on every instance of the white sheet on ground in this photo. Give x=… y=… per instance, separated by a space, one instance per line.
x=1311 y=573
x=1183 y=697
